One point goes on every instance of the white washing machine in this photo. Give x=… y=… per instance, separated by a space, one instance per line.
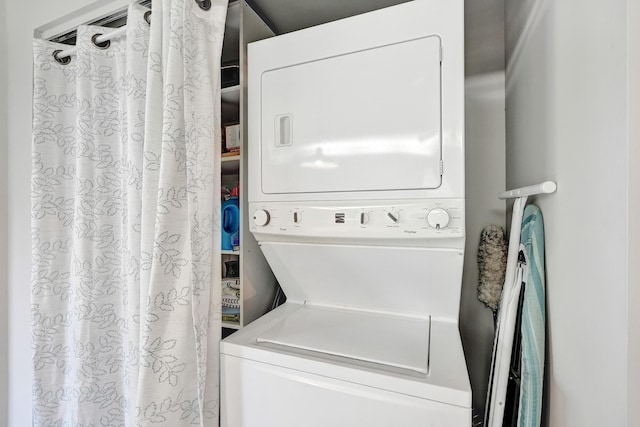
x=356 y=191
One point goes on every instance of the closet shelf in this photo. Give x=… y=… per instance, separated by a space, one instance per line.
x=230 y=165
x=230 y=95
x=230 y=325
x=248 y=266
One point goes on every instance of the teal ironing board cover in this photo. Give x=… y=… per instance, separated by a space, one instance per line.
x=533 y=320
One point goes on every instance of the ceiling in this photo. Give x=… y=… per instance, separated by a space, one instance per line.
x=484 y=23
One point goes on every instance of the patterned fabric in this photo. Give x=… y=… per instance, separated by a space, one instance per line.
x=533 y=320
x=126 y=227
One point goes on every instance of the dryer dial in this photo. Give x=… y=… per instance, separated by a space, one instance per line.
x=438 y=218
x=261 y=217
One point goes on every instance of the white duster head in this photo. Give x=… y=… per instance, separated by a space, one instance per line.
x=492 y=264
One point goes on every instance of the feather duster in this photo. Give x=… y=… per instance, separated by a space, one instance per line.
x=492 y=265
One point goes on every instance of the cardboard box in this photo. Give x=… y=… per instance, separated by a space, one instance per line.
x=232 y=138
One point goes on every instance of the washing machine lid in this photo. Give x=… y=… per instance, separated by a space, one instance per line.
x=392 y=341
x=407 y=281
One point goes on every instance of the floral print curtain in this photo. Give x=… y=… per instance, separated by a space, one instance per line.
x=125 y=222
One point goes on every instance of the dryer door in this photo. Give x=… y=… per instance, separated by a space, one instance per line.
x=362 y=121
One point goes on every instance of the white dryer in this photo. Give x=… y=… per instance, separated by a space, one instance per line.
x=356 y=192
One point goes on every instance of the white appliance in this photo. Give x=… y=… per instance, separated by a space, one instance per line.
x=356 y=191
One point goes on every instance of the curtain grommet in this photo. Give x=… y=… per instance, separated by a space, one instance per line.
x=61 y=60
x=204 y=4
x=147 y=17
x=103 y=45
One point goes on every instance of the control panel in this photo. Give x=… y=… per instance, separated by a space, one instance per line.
x=429 y=219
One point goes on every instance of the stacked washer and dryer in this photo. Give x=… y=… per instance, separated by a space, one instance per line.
x=356 y=194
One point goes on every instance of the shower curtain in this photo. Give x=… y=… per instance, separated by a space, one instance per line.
x=125 y=222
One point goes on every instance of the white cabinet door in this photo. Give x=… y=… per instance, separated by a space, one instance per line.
x=262 y=395
x=365 y=120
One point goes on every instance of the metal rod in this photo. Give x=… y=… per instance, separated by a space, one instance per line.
x=546 y=187
x=101 y=39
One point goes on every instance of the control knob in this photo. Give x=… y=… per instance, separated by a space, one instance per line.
x=364 y=218
x=394 y=216
x=261 y=217
x=438 y=218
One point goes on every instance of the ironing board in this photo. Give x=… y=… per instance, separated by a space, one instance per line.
x=533 y=320
x=526 y=240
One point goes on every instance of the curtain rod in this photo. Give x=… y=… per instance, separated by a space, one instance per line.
x=546 y=187
x=64 y=29
x=100 y=40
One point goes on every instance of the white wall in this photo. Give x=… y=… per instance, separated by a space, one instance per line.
x=22 y=18
x=633 y=163
x=485 y=178
x=483 y=37
x=485 y=174
x=3 y=221
x=567 y=121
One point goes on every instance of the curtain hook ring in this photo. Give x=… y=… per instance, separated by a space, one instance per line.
x=103 y=45
x=61 y=60
x=204 y=4
x=147 y=17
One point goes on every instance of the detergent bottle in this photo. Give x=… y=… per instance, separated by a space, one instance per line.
x=231 y=221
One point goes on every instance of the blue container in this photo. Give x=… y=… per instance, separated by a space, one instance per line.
x=230 y=224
